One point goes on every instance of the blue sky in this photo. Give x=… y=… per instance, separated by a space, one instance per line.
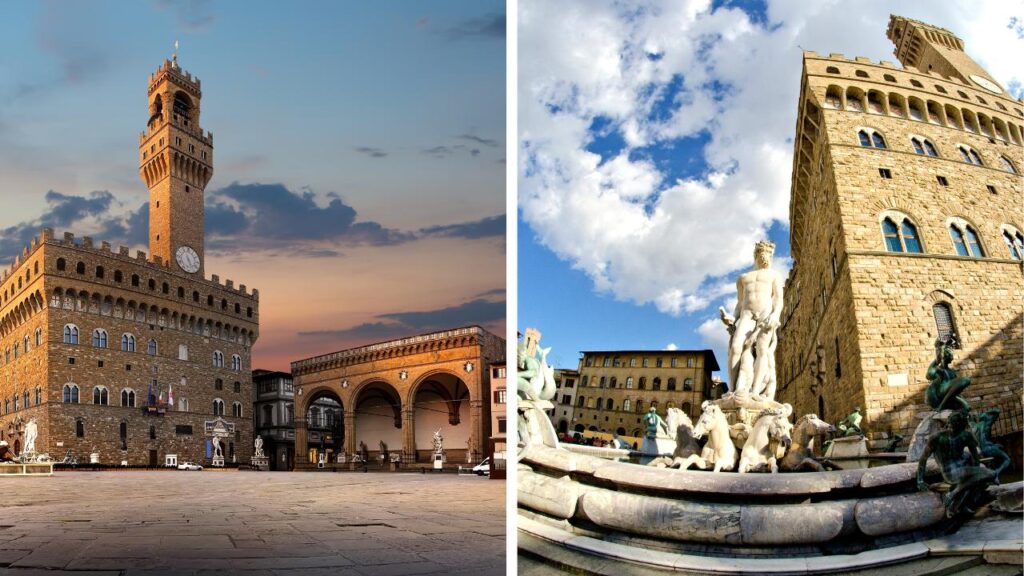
x=656 y=149
x=358 y=143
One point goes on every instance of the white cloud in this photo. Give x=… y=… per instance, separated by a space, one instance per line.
x=671 y=346
x=678 y=244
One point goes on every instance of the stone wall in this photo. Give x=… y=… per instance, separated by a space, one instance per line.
x=879 y=304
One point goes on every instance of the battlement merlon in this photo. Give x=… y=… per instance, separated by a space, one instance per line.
x=46 y=236
x=171 y=71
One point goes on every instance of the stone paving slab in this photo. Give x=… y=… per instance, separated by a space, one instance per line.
x=275 y=523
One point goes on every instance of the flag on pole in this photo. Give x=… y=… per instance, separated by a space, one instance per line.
x=170 y=396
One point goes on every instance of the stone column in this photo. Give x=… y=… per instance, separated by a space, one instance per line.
x=350 y=433
x=301 y=442
x=408 y=434
x=476 y=409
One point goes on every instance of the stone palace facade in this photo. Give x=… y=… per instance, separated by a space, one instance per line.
x=139 y=359
x=905 y=226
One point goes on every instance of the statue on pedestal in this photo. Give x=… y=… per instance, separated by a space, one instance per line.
x=218 y=451
x=850 y=425
x=946 y=386
x=31 y=433
x=258 y=447
x=969 y=480
x=752 y=327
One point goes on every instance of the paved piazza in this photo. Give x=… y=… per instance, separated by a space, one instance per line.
x=172 y=522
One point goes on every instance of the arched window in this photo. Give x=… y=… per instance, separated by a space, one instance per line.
x=600 y=404
x=71 y=393
x=672 y=384
x=602 y=382
x=629 y=381
x=135 y=280
x=62 y=264
x=99 y=338
x=944 y=322
x=218 y=359
x=643 y=383
x=236 y=409
x=639 y=406
x=610 y=404
x=79 y=428
x=151 y=348
x=965 y=240
x=923 y=146
x=1007 y=165
x=26 y=344
x=218 y=407
x=613 y=383
x=688 y=384
x=183 y=405
x=1014 y=242
x=70 y=334
x=581 y=401
x=127 y=343
x=39 y=336
x=969 y=155
x=100 y=396
x=128 y=398
x=118 y=276
x=870 y=138
x=99 y=271
x=80 y=267
x=626 y=405
x=584 y=381
x=656 y=384
x=902 y=237
x=236 y=362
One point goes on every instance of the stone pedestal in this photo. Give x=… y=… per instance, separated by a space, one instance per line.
x=931 y=422
x=217 y=462
x=260 y=463
x=394 y=466
x=847 y=447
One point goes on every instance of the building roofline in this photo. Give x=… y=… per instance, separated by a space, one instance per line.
x=394 y=343
x=706 y=352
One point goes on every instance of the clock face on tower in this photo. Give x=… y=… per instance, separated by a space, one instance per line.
x=187 y=259
x=986 y=84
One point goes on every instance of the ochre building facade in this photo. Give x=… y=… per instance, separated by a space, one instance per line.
x=905 y=223
x=400 y=392
x=616 y=388
x=136 y=358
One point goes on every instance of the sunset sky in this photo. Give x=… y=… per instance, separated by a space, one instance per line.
x=359 y=152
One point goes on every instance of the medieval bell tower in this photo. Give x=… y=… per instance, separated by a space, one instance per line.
x=176 y=163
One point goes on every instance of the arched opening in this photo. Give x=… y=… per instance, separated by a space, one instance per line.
x=563 y=426
x=378 y=412
x=325 y=427
x=182 y=105
x=441 y=402
x=579 y=428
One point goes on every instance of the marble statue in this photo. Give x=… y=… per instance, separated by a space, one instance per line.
x=719 y=450
x=752 y=327
x=758 y=451
x=218 y=451
x=258 y=447
x=364 y=452
x=850 y=425
x=807 y=433
x=945 y=385
x=383 y=451
x=983 y=434
x=31 y=434
x=438 y=442
x=969 y=480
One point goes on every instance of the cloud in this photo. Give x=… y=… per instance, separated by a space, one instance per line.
x=371 y=152
x=438 y=151
x=655 y=137
x=491 y=293
x=192 y=15
x=484 y=141
x=488 y=26
x=490 y=226
x=398 y=324
x=671 y=346
x=65 y=211
x=267 y=215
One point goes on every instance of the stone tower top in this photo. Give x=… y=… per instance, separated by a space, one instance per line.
x=930 y=48
x=176 y=163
